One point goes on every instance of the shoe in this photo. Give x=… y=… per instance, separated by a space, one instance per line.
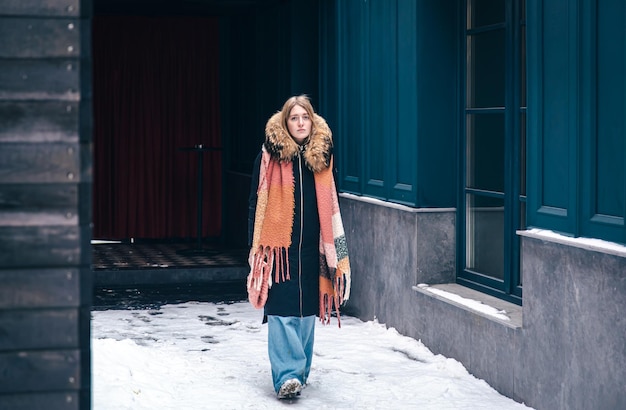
x=290 y=389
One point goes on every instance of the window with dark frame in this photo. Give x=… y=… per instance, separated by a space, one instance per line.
x=492 y=202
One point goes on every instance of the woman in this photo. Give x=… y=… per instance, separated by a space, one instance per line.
x=298 y=255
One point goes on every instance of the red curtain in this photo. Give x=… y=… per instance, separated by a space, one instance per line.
x=155 y=91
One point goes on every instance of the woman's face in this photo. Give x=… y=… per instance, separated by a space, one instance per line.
x=299 y=124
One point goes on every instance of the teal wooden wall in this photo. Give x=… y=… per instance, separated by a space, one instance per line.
x=576 y=127
x=389 y=76
x=385 y=74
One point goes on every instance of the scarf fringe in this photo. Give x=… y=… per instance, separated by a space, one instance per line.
x=262 y=264
x=332 y=301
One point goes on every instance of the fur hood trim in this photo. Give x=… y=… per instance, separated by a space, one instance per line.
x=317 y=151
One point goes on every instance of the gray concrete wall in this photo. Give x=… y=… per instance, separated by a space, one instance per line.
x=393 y=248
x=574 y=332
x=567 y=352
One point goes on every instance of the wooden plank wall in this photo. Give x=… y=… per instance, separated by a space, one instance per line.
x=45 y=204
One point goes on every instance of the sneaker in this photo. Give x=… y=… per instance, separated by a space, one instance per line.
x=290 y=389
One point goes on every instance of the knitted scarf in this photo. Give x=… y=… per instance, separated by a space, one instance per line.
x=272 y=236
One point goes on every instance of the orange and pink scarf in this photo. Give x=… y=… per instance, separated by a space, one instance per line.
x=272 y=236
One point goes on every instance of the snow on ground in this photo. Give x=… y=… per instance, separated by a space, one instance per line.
x=200 y=355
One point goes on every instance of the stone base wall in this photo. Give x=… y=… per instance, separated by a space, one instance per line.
x=567 y=351
x=573 y=346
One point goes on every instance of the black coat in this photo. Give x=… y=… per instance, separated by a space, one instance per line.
x=300 y=295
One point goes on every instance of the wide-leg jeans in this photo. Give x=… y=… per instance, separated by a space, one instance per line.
x=290 y=347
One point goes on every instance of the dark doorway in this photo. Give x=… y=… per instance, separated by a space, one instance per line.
x=214 y=71
x=156 y=94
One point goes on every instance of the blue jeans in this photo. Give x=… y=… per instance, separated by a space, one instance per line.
x=290 y=347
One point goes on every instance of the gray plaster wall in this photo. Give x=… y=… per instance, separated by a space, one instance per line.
x=568 y=350
x=574 y=332
x=391 y=249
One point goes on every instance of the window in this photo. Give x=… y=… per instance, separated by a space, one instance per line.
x=492 y=201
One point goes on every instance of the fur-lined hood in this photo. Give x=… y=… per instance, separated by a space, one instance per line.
x=317 y=151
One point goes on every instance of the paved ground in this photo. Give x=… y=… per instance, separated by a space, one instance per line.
x=154 y=296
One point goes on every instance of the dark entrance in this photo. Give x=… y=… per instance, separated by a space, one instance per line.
x=170 y=75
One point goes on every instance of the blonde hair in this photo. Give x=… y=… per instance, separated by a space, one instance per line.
x=304 y=102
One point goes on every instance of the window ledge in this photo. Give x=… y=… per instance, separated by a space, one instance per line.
x=492 y=308
x=590 y=244
x=393 y=205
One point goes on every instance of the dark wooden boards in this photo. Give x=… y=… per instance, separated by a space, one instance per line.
x=45 y=204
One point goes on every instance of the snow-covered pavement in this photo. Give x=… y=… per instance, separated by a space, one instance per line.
x=202 y=355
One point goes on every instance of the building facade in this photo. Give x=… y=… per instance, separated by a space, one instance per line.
x=482 y=158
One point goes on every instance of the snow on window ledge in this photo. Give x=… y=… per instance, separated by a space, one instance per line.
x=503 y=312
x=393 y=205
x=591 y=244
